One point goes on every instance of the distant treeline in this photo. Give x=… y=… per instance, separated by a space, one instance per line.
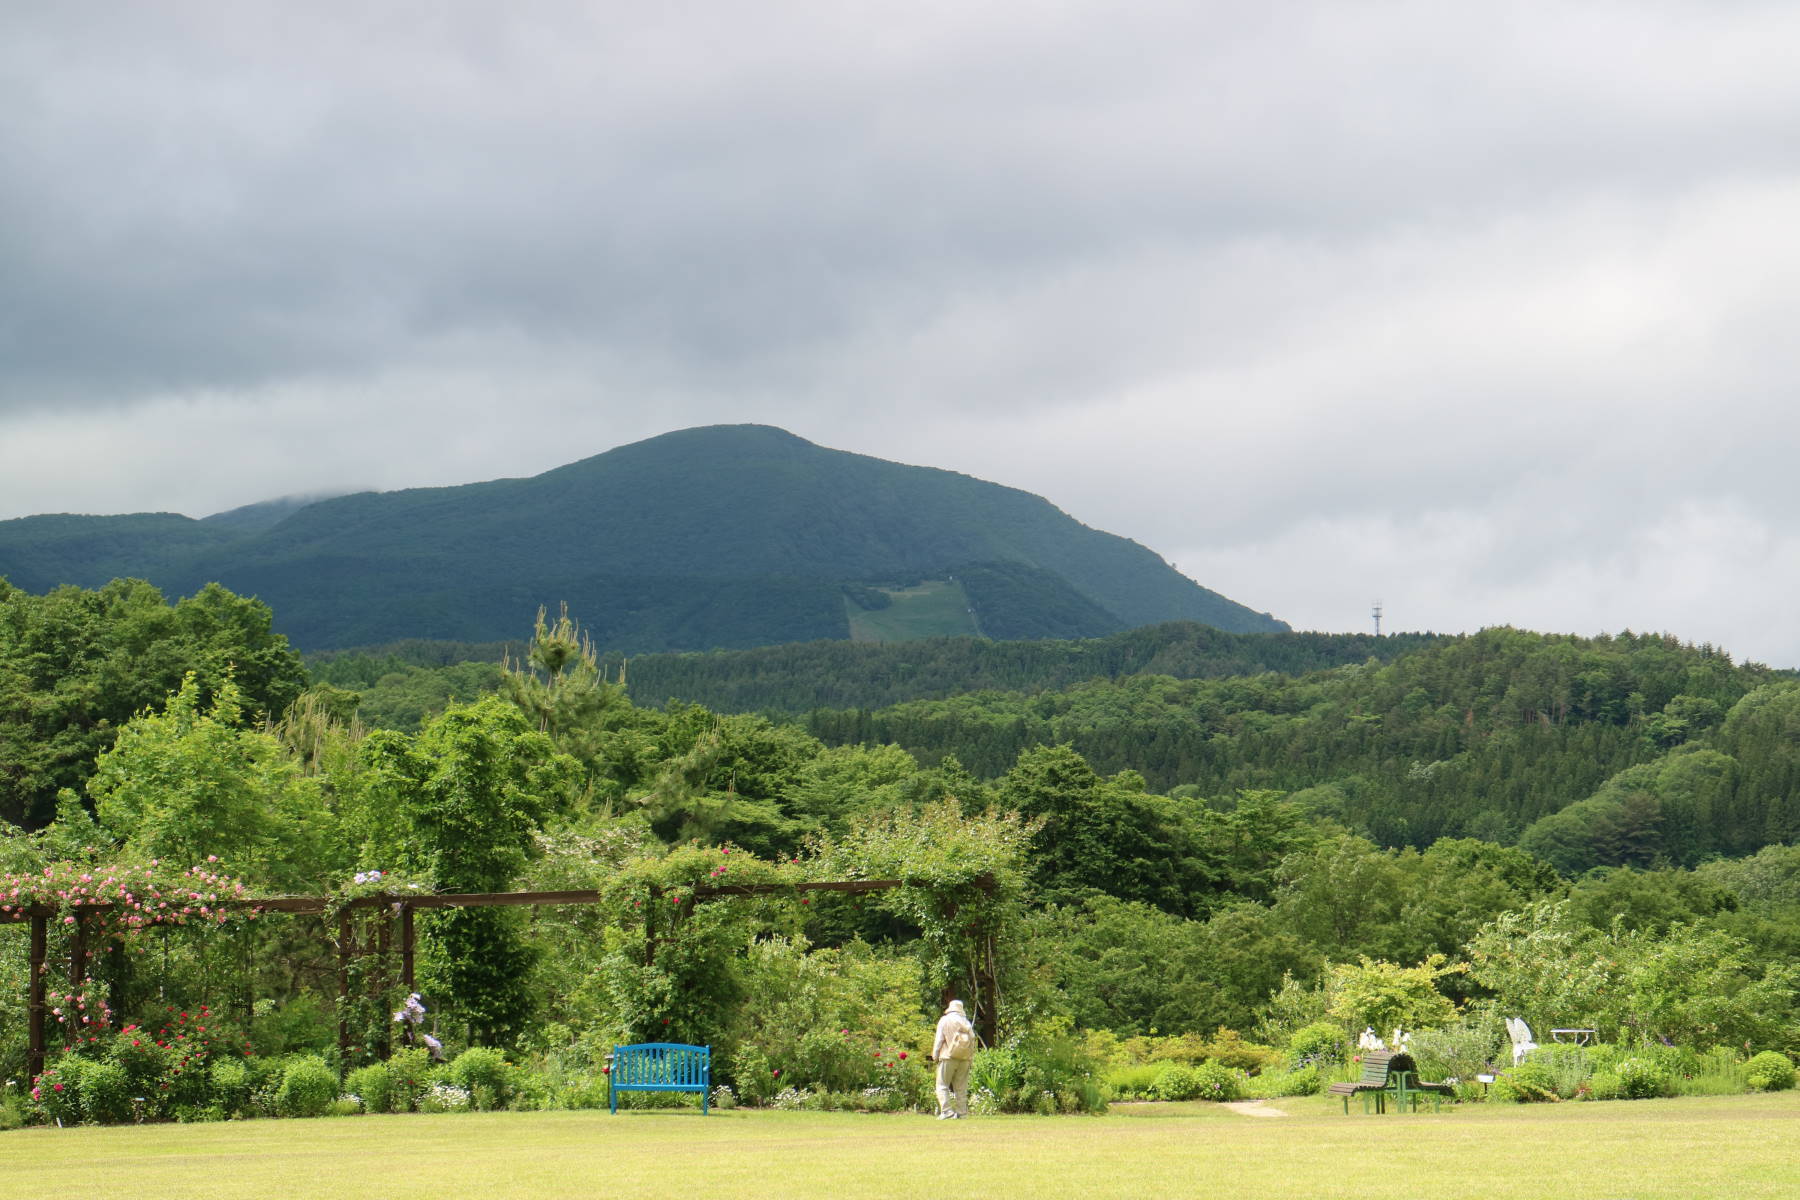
x=812 y=675
x=1661 y=751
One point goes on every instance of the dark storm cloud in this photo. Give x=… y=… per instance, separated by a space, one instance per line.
x=1471 y=297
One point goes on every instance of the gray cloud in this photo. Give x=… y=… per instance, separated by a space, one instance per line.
x=1481 y=310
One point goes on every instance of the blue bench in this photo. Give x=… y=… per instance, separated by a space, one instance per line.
x=660 y=1067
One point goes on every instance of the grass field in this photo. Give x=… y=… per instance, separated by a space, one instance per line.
x=935 y=608
x=1738 y=1146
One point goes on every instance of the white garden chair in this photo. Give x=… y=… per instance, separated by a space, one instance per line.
x=1520 y=1032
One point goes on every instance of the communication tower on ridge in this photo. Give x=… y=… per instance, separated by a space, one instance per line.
x=1376 y=612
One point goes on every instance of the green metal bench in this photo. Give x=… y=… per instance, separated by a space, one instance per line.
x=660 y=1067
x=1388 y=1074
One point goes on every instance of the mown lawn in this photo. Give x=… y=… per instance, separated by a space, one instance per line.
x=1739 y=1146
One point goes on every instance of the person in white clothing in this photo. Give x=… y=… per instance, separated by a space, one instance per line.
x=953 y=1050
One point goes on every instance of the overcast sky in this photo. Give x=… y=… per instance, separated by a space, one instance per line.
x=1482 y=310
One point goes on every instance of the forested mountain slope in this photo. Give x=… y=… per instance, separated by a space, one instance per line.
x=415 y=677
x=1493 y=735
x=723 y=536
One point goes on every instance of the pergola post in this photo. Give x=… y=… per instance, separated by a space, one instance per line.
x=34 y=1052
x=78 y=953
x=406 y=946
x=344 y=948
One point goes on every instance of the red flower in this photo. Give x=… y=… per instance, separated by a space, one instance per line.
x=903 y=1054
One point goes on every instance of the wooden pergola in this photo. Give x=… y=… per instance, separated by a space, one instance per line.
x=400 y=909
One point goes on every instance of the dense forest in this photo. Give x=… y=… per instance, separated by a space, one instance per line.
x=1419 y=831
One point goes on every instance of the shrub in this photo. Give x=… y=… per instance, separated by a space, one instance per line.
x=373 y=1085
x=1643 y=1079
x=145 y=1063
x=1320 y=1042
x=754 y=1078
x=1301 y=1081
x=233 y=1083
x=1526 y=1083
x=307 y=1089
x=1043 y=1072
x=105 y=1093
x=1719 y=1073
x=56 y=1093
x=1770 y=1071
x=1134 y=1082
x=1219 y=1082
x=483 y=1073
x=1460 y=1050
x=1606 y=1085
x=409 y=1074
x=445 y=1096
x=1177 y=1083
x=1229 y=1049
x=1567 y=1066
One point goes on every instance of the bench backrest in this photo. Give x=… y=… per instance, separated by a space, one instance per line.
x=1375 y=1067
x=662 y=1065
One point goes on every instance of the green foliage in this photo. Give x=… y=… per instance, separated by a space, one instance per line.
x=962 y=885
x=1319 y=1042
x=106 y=1091
x=1526 y=1083
x=845 y=680
x=1385 y=995
x=76 y=665
x=1134 y=1081
x=409 y=1076
x=189 y=782
x=1642 y=1079
x=308 y=1086
x=1460 y=1049
x=56 y=1092
x=669 y=969
x=1177 y=1083
x=1218 y=1082
x=1657 y=811
x=1045 y=1072
x=233 y=1084
x=485 y=1074
x=461 y=805
x=1301 y=1081
x=833 y=1020
x=1467 y=737
x=372 y=1086
x=1770 y=1071
x=1692 y=986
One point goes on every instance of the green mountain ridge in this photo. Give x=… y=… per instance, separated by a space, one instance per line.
x=722 y=536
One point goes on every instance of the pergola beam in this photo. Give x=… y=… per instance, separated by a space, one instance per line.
x=40 y=914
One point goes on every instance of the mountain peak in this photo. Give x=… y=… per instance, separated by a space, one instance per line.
x=721 y=535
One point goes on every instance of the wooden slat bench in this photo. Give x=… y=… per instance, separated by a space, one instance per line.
x=1387 y=1074
x=660 y=1067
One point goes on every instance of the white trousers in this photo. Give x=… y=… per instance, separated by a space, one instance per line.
x=953 y=1085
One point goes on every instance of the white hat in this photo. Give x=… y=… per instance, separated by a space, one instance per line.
x=955 y=1006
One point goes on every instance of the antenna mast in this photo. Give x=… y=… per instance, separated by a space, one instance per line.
x=1376 y=612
